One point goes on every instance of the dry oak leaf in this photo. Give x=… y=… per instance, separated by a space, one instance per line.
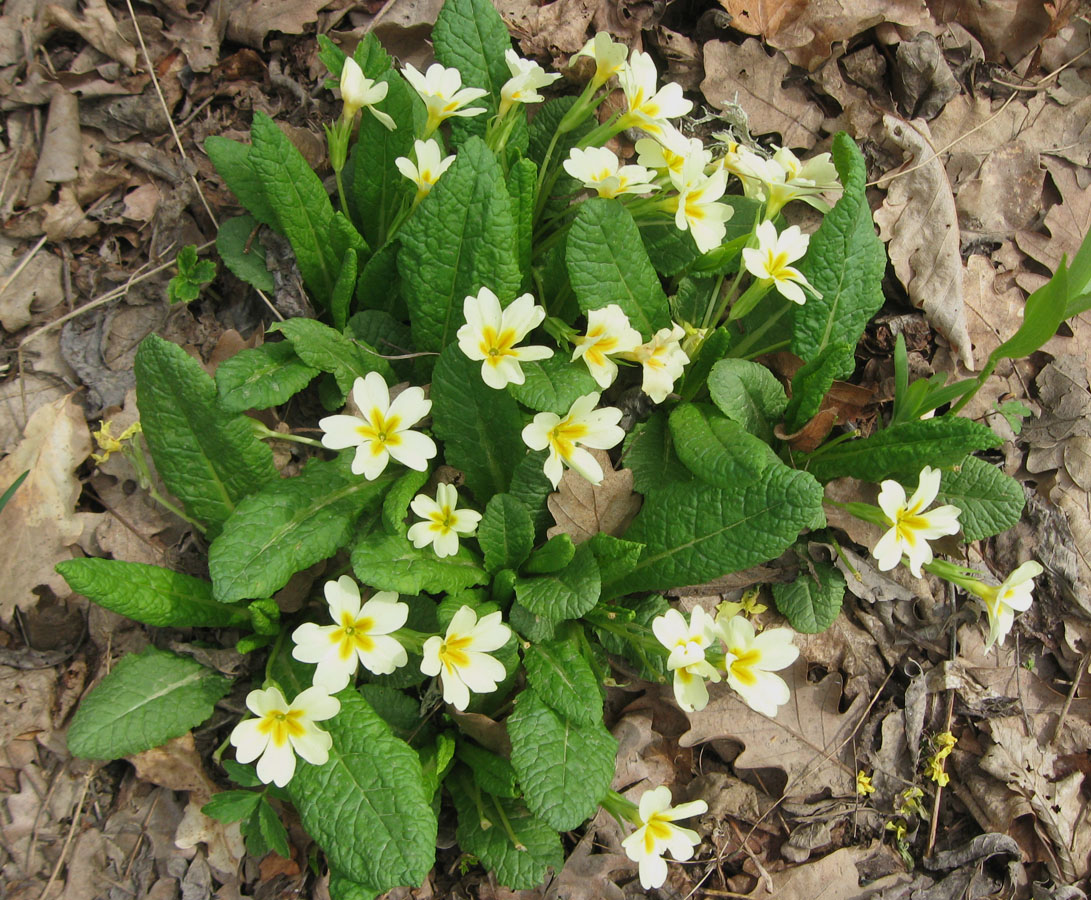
x=805 y=30
x=98 y=27
x=556 y=29
x=747 y=75
x=806 y=739
x=39 y=523
x=582 y=509
x=36 y=288
x=252 y=20
x=919 y=223
x=1067 y=221
x=1007 y=29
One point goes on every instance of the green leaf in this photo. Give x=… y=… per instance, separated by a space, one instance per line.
x=342 y=888
x=242 y=775
x=717 y=450
x=398 y=498
x=470 y=36
x=290 y=525
x=644 y=652
x=694 y=532
x=522 y=184
x=145 y=701
x=505 y=534
x=390 y=562
x=1042 y=316
x=232 y=162
x=553 y=384
x=185 y=287
x=400 y=711
x=370 y=56
x=378 y=188
x=565 y=769
x=149 y=594
x=458 y=240
x=811 y=605
x=903 y=449
x=669 y=249
x=709 y=353
x=991 y=502
x=231 y=806
x=379 y=285
x=519 y=868
x=607 y=263
x=367 y=806
x=208 y=458
x=264 y=832
x=243 y=253
x=265 y=376
x=812 y=382
x=9 y=492
x=493 y=774
x=563 y=679
x=845 y=261
x=614 y=556
x=531 y=488
x=387 y=335
x=749 y=394
x=481 y=427
x=343 y=290
x=302 y=206
x=649 y=454
x=327 y=350
x=565 y=594
x=552 y=556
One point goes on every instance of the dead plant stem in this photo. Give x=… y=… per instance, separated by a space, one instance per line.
x=1077 y=677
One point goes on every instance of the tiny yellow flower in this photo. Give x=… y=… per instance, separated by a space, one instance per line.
x=746 y=605
x=110 y=444
x=863 y=784
x=899 y=829
x=911 y=802
x=934 y=769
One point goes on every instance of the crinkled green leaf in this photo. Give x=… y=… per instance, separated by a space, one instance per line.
x=564 y=769
x=811 y=605
x=389 y=562
x=300 y=202
x=366 y=806
x=903 y=449
x=458 y=240
x=845 y=261
x=328 y=350
x=400 y=711
x=528 y=625
x=991 y=502
x=650 y=455
x=522 y=183
x=749 y=394
x=208 y=458
x=564 y=594
x=470 y=36
x=505 y=534
x=343 y=289
x=147 y=699
x=149 y=594
x=493 y=773
x=231 y=806
x=607 y=264
x=290 y=525
x=562 y=677
x=519 y=868
x=398 y=498
x=530 y=486
x=694 y=532
x=614 y=555
x=379 y=284
x=344 y=888
x=388 y=336
x=669 y=249
x=553 y=384
x=480 y=426
x=243 y=253
x=716 y=449
x=264 y=376
x=813 y=381
x=232 y=162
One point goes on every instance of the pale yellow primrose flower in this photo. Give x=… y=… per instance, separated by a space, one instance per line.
x=443 y=95
x=657 y=834
x=598 y=168
x=609 y=58
x=490 y=335
x=696 y=209
x=800 y=181
x=687 y=644
x=647 y=108
x=663 y=361
x=750 y=661
x=428 y=167
x=361 y=635
x=358 y=92
x=768 y=262
x=583 y=424
x=444 y=522
x=911 y=528
x=608 y=333
x=670 y=150
x=461 y=657
x=383 y=431
x=526 y=77
x=283 y=729
x=1002 y=603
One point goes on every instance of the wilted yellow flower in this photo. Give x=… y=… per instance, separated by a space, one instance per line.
x=863 y=784
x=110 y=444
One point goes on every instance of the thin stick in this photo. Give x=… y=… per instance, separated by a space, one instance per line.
x=166 y=110
x=934 y=824
x=1076 y=679
x=23 y=263
x=71 y=832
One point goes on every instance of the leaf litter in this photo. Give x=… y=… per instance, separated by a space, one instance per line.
x=927 y=88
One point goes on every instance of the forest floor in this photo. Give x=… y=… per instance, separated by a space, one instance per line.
x=975 y=120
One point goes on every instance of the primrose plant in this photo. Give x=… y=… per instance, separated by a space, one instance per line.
x=506 y=309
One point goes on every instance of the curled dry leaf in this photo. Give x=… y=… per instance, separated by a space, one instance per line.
x=581 y=509
x=37 y=287
x=98 y=27
x=249 y=22
x=59 y=159
x=919 y=224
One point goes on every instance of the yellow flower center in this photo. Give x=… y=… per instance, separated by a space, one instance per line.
x=496 y=345
x=775 y=265
x=452 y=652
x=354 y=634
x=443 y=520
x=656 y=830
x=564 y=435
x=742 y=667
x=281 y=724
x=599 y=344
x=381 y=431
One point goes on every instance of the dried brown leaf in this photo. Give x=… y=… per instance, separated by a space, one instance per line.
x=919 y=224
x=554 y=30
x=98 y=27
x=1007 y=29
x=582 y=509
x=1068 y=221
x=252 y=20
x=36 y=288
x=747 y=75
x=59 y=160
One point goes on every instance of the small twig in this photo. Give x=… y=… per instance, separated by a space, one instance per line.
x=937 y=799
x=23 y=263
x=1076 y=679
x=71 y=832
